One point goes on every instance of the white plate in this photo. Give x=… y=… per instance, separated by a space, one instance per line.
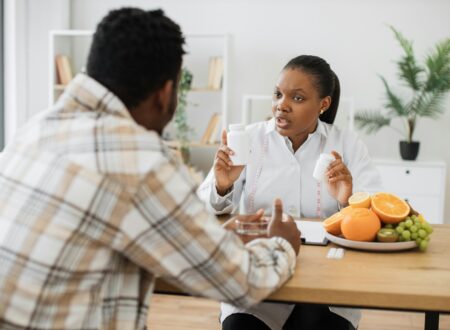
x=371 y=246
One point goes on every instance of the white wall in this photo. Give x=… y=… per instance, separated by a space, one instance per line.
x=15 y=73
x=27 y=29
x=352 y=35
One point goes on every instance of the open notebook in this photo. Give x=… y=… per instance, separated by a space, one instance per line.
x=312 y=232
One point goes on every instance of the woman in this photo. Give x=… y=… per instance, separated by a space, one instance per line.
x=284 y=152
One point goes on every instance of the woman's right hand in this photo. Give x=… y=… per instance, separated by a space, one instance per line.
x=224 y=171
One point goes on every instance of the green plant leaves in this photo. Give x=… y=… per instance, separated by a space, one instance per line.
x=394 y=103
x=429 y=84
x=438 y=68
x=371 y=121
x=429 y=104
x=408 y=69
x=183 y=130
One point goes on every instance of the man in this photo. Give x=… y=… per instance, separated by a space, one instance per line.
x=93 y=207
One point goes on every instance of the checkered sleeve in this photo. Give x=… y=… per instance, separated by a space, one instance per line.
x=170 y=233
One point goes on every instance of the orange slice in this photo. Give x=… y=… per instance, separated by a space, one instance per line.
x=360 y=199
x=333 y=223
x=389 y=207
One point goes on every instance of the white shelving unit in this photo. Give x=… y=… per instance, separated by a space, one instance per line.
x=73 y=43
x=203 y=101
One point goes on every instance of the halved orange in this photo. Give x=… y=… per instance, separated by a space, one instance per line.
x=389 y=207
x=360 y=199
x=333 y=223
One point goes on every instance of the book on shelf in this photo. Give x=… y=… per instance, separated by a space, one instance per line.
x=63 y=69
x=215 y=72
x=211 y=132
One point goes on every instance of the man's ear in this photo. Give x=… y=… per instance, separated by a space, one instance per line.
x=163 y=97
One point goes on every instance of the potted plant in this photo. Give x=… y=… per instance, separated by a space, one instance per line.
x=183 y=130
x=427 y=82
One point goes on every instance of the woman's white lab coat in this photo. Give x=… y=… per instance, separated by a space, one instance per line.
x=275 y=171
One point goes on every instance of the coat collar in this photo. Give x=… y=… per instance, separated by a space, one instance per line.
x=86 y=94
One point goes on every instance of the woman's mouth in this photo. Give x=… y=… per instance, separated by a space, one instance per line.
x=282 y=122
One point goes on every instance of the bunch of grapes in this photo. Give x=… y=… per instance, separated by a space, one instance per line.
x=414 y=228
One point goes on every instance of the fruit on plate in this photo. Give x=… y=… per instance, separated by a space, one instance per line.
x=415 y=228
x=387 y=235
x=389 y=207
x=333 y=223
x=360 y=199
x=361 y=224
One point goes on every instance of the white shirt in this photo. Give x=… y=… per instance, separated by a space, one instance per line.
x=275 y=171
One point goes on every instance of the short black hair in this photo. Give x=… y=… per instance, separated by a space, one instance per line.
x=134 y=52
x=326 y=81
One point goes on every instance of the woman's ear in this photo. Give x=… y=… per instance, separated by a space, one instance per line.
x=325 y=104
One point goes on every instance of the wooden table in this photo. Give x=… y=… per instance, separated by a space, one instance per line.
x=407 y=281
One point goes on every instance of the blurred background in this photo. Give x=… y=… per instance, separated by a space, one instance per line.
x=236 y=50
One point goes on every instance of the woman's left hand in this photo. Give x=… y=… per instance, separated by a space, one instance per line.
x=340 y=182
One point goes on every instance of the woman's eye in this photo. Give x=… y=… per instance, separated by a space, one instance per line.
x=277 y=94
x=298 y=98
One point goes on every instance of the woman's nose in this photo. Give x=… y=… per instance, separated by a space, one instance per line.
x=281 y=105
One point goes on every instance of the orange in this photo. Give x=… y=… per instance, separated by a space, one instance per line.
x=346 y=210
x=333 y=223
x=389 y=207
x=360 y=225
x=360 y=199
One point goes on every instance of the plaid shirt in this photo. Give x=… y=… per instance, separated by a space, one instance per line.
x=93 y=208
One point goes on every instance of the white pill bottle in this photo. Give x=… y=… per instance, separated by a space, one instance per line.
x=238 y=141
x=321 y=166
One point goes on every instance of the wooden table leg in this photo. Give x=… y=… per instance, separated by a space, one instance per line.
x=431 y=321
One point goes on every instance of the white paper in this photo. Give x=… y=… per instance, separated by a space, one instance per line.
x=312 y=232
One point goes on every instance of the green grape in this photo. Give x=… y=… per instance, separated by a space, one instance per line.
x=414 y=236
x=414 y=217
x=401 y=224
x=417 y=222
x=427 y=238
x=401 y=239
x=423 y=245
x=406 y=234
x=389 y=225
x=428 y=229
x=408 y=223
x=399 y=229
x=418 y=240
x=422 y=233
x=413 y=228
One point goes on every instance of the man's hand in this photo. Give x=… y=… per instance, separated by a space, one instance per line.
x=284 y=226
